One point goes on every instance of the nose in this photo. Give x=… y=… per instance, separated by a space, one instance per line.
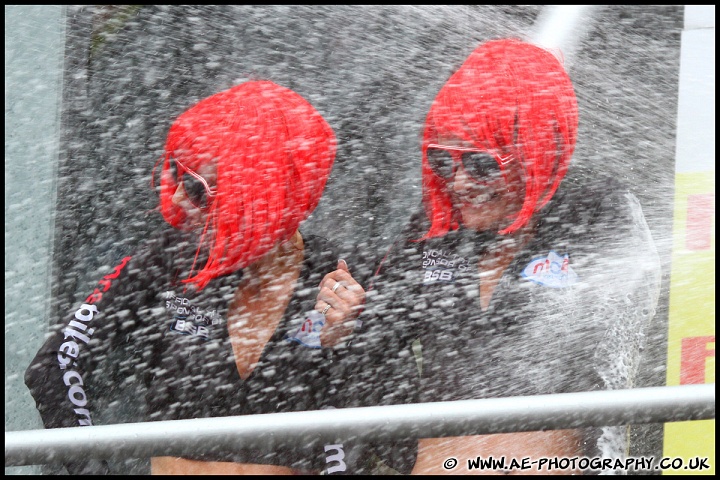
x=179 y=195
x=461 y=181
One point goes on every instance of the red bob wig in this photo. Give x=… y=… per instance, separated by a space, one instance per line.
x=509 y=97
x=273 y=153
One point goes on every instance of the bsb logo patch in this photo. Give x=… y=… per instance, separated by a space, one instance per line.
x=188 y=318
x=442 y=266
x=552 y=271
x=308 y=334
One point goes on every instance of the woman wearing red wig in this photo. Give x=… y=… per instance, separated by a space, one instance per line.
x=220 y=315
x=513 y=279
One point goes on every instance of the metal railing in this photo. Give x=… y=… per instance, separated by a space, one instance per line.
x=426 y=420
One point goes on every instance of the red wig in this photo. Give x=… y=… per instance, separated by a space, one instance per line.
x=273 y=153
x=509 y=97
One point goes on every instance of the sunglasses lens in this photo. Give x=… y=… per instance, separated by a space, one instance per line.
x=195 y=190
x=441 y=162
x=481 y=165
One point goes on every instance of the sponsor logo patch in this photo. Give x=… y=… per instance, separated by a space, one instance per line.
x=552 y=271
x=442 y=266
x=188 y=318
x=308 y=335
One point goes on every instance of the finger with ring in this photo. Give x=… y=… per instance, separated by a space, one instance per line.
x=325 y=310
x=335 y=287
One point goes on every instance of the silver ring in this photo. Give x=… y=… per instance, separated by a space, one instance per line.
x=325 y=310
x=335 y=287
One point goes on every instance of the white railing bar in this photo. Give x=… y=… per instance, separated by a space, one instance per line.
x=438 y=419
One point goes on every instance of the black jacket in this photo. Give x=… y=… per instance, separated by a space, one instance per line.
x=143 y=347
x=568 y=315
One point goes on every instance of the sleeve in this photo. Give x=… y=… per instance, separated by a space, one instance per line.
x=75 y=370
x=631 y=286
x=601 y=323
x=631 y=300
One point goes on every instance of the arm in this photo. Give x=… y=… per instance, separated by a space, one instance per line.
x=59 y=376
x=630 y=292
x=82 y=365
x=634 y=295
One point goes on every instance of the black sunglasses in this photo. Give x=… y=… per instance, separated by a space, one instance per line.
x=196 y=187
x=479 y=164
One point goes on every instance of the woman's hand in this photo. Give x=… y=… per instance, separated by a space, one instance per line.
x=341 y=299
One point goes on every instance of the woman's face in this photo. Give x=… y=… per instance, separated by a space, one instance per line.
x=193 y=196
x=486 y=199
